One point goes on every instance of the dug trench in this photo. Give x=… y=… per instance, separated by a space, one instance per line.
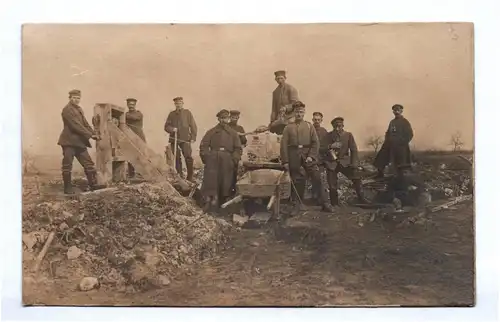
x=143 y=245
x=354 y=257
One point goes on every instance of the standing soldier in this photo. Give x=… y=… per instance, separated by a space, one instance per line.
x=235 y=116
x=283 y=98
x=340 y=154
x=181 y=123
x=134 y=120
x=396 y=147
x=74 y=140
x=300 y=148
x=220 y=152
x=321 y=132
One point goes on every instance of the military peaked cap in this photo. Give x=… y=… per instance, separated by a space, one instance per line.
x=298 y=104
x=395 y=106
x=337 y=119
x=279 y=73
x=318 y=113
x=223 y=113
x=75 y=92
x=178 y=98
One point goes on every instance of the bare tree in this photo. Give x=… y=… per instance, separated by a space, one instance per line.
x=375 y=141
x=456 y=141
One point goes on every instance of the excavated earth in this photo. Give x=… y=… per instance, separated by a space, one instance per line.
x=148 y=246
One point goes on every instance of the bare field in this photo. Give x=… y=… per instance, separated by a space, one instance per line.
x=354 y=257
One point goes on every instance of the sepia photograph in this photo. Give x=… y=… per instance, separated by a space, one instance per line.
x=263 y=165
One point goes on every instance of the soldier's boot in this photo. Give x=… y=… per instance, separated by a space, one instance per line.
x=92 y=181
x=68 y=185
x=190 y=171
x=334 y=198
x=327 y=207
x=359 y=192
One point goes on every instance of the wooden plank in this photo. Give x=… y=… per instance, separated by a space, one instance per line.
x=149 y=164
x=102 y=114
x=135 y=155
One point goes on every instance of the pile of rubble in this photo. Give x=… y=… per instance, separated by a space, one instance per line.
x=133 y=235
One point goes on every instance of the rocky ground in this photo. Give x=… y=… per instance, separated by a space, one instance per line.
x=144 y=245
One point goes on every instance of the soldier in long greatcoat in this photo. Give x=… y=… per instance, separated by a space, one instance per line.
x=283 y=98
x=340 y=155
x=134 y=120
x=74 y=141
x=220 y=152
x=299 y=148
x=396 y=147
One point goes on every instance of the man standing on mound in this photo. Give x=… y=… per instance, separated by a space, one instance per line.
x=74 y=141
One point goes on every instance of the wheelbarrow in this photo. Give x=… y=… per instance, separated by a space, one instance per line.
x=267 y=184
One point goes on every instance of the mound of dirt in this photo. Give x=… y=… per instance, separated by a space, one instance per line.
x=139 y=235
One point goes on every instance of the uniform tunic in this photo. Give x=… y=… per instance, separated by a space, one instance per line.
x=134 y=120
x=220 y=152
x=74 y=139
x=283 y=95
x=300 y=141
x=346 y=162
x=238 y=128
x=183 y=120
x=396 y=147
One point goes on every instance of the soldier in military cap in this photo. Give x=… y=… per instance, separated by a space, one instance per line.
x=340 y=154
x=396 y=146
x=74 y=141
x=220 y=152
x=181 y=122
x=299 y=148
x=134 y=120
x=321 y=132
x=283 y=97
x=233 y=123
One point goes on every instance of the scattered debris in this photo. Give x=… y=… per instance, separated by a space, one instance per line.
x=259 y=219
x=254 y=244
x=163 y=280
x=239 y=220
x=73 y=252
x=43 y=252
x=88 y=283
x=122 y=234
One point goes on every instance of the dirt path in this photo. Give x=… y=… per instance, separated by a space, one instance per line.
x=316 y=259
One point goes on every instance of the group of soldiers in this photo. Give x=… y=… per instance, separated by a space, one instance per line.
x=306 y=150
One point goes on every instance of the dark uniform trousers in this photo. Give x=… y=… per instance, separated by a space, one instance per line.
x=185 y=148
x=297 y=160
x=82 y=155
x=333 y=182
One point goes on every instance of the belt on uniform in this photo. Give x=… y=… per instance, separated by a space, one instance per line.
x=299 y=146
x=221 y=149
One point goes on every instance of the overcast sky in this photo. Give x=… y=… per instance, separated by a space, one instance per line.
x=354 y=71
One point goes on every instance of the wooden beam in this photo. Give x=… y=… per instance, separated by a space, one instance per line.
x=104 y=153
